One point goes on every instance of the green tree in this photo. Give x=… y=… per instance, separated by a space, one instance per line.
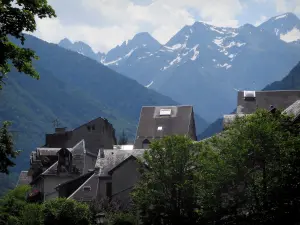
x=17 y=17
x=65 y=212
x=7 y=152
x=261 y=159
x=123 y=140
x=12 y=205
x=167 y=190
x=31 y=214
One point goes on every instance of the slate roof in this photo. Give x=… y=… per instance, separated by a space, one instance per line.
x=24 y=179
x=47 y=151
x=264 y=99
x=228 y=119
x=293 y=110
x=114 y=157
x=178 y=122
x=81 y=195
x=77 y=149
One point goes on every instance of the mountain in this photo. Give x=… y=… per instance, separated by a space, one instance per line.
x=81 y=48
x=290 y=82
x=285 y=26
x=204 y=65
x=73 y=89
x=140 y=44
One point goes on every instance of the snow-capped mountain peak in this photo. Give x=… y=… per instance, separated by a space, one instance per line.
x=141 y=42
x=285 y=26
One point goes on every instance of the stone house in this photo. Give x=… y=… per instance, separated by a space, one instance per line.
x=98 y=133
x=61 y=169
x=249 y=101
x=158 y=121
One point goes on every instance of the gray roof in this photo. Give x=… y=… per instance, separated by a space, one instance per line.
x=81 y=195
x=293 y=110
x=77 y=149
x=47 y=151
x=114 y=157
x=228 y=119
x=24 y=179
x=264 y=99
x=178 y=122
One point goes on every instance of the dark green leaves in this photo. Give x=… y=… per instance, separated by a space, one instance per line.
x=7 y=152
x=16 y=18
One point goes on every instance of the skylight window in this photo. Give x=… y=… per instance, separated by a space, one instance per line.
x=249 y=95
x=159 y=128
x=165 y=112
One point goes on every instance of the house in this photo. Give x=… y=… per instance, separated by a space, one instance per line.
x=95 y=167
x=249 y=101
x=98 y=133
x=71 y=164
x=158 y=121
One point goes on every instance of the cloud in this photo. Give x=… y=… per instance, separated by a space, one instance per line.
x=283 y=6
x=261 y=20
x=103 y=24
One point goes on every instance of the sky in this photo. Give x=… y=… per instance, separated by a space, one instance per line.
x=104 y=24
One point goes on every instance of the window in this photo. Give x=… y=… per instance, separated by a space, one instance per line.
x=87 y=188
x=146 y=144
x=160 y=128
x=165 y=112
x=89 y=128
x=108 y=189
x=93 y=127
x=249 y=95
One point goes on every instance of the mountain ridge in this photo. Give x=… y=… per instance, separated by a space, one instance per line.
x=203 y=60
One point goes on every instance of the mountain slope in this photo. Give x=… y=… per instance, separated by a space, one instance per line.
x=73 y=89
x=81 y=48
x=285 y=26
x=203 y=65
x=290 y=82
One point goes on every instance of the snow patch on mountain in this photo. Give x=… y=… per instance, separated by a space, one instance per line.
x=173 y=62
x=280 y=17
x=196 y=53
x=291 y=36
x=148 y=85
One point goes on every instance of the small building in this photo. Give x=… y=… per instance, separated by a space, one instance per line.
x=117 y=174
x=71 y=164
x=98 y=133
x=159 y=121
x=249 y=101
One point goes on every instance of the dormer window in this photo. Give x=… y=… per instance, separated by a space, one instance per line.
x=165 y=112
x=249 y=95
x=87 y=188
x=145 y=144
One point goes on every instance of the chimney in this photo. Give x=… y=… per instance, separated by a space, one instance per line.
x=59 y=130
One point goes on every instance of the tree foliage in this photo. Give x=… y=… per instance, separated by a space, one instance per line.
x=7 y=152
x=249 y=174
x=167 y=189
x=17 y=17
x=65 y=212
x=12 y=205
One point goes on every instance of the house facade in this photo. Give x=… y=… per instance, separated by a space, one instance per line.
x=85 y=164
x=249 y=101
x=158 y=121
